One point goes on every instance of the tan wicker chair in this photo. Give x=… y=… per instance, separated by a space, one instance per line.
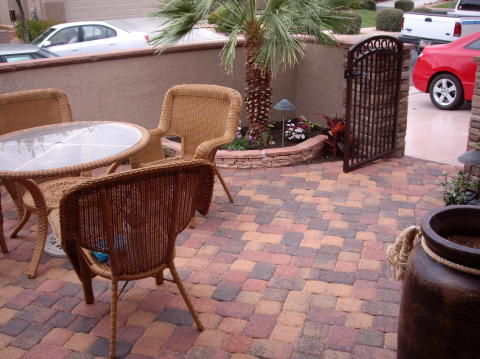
x=19 y=111
x=204 y=117
x=134 y=217
x=27 y=109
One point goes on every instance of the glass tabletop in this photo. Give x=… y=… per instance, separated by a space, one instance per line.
x=66 y=147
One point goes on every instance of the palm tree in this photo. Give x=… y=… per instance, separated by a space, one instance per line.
x=26 y=36
x=271 y=40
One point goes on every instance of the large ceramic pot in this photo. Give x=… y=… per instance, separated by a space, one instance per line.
x=440 y=307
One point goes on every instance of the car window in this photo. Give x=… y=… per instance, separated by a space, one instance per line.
x=43 y=36
x=97 y=32
x=475 y=45
x=66 y=36
x=469 y=5
x=18 y=57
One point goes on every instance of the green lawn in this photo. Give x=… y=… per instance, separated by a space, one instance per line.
x=447 y=5
x=368 y=17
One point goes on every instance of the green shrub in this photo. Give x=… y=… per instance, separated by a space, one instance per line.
x=353 y=26
x=221 y=17
x=389 y=20
x=422 y=9
x=339 y=4
x=368 y=5
x=35 y=28
x=356 y=4
x=405 y=5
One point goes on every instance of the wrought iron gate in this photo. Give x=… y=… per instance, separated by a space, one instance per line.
x=373 y=74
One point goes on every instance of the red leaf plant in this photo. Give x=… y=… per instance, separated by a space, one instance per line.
x=335 y=130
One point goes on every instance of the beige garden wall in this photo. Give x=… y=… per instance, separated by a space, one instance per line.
x=129 y=86
x=320 y=81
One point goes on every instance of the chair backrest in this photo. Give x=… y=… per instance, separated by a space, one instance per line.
x=27 y=109
x=135 y=216
x=197 y=113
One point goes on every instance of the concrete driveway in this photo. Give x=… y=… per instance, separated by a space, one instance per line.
x=434 y=134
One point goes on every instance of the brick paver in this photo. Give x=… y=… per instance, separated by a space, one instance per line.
x=295 y=268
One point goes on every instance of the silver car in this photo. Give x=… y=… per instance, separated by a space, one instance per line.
x=89 y=37
x=22 y=52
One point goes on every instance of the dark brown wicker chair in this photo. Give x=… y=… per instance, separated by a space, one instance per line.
x=134 y=217
x=204 y=117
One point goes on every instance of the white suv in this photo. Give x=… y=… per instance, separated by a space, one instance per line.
x=89 y=37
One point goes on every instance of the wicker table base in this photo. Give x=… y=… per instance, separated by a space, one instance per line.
x=53 y=247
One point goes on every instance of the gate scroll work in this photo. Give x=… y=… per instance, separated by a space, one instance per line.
x=373 y=74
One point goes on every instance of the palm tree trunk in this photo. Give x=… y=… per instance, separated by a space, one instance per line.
x=26 y=37
x=258 y=93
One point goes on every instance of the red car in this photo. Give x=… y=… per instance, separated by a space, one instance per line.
x=447 y=71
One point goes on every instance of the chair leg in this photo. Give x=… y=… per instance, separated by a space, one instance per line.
x=192 y=223
x=219 y=175
x=42 y=224
x=3 y=244
x=180 y=286
x=86 y=279
x=16 y=194
x=159 y=279
x=19 y=226
x=113 y=319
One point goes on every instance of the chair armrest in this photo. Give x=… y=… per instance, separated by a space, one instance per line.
x=206 y=150
x=113 y=167
x=151 y=152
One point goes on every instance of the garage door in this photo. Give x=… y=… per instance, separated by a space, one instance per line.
x=82 y=10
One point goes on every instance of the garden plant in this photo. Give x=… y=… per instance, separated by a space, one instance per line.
x=460 y=190
x=35 y=28
x=271 y=40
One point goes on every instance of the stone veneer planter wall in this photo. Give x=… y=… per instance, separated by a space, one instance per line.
x=474 y=130
x=273 y=157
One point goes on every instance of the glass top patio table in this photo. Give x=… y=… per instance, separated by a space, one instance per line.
x=67 y=147
x=60 y=150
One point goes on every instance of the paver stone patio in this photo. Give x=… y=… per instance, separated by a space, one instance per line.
x=295 y=268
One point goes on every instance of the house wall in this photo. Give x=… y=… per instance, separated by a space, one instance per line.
x=81 y=10
x=53 y=10
x=4 y=15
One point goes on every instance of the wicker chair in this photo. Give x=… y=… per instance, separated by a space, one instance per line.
x=134 y=218
x=204 y=117
x=27 y=109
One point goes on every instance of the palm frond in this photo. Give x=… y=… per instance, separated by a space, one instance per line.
x=178 y=18
x=229 y=49
x=280 y=47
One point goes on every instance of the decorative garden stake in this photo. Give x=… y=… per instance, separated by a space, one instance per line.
x=284 y=105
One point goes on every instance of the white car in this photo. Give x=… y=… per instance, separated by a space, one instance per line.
x=87 y=37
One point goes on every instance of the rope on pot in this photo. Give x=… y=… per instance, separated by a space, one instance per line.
x=398 y=252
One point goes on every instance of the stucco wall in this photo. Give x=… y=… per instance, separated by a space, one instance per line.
x=130 y=86
x=320 y=82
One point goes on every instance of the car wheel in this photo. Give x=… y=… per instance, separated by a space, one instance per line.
x=446 y=92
